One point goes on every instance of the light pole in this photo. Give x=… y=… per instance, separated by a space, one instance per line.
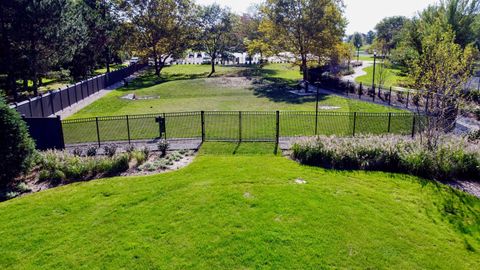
x=374 y=63
x=358 y=54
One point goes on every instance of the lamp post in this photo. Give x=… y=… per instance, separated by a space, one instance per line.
x=374 y=63
x=358 y=54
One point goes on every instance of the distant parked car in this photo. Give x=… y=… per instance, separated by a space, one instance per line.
x=134 y=60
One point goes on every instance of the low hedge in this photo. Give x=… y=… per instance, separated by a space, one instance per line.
x=455 y=158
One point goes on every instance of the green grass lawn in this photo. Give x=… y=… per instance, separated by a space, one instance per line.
x=238 y=207
x=393 y=77
x=186 y=88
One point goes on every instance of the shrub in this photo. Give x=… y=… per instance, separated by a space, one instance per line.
x=130 y=148
x=57 y=166
x=146 y=151
x=92 y=151
x=77 y=152
x=474 y=136
x=22 y=187
x=454 y=158
x=110 y=149
x=17 y=149
x=139 y=156
x=163 y=147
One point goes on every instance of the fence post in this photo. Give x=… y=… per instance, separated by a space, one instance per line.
x=81 y=89
x=88 y=88
x=277 y=128
x=51 y=102
x=98 y=86
x=408 y=98
x=373 y=96
x=360 y=90
x=354 y=122
x=390 y=96
x=202 y=119
x=165 y=131
x=128 y=130
x=98 y=131
x=68 y=96
x=413 y=126
x=61 y=98
x=30 y=106
x=239 y=126
x=389 y=121
x=41 y=105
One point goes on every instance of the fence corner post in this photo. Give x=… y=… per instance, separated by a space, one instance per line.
x=128 y=130
x=202 y=119
x=98 y=131
x=277 y=127
x=354 y=122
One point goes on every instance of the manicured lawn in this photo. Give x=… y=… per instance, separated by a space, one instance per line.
x=393 y=77
x=186 y=88
x=243 y=211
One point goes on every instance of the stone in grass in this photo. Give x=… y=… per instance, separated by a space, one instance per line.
x=300 y=181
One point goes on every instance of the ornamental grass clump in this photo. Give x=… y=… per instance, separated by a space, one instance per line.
x=59 y=167
x=455 y=158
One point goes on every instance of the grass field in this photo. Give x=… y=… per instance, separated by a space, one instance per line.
x=238 y=207
x=186 y=88
x=393 y=77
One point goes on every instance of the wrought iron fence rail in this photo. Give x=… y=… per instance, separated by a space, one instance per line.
x=236 y=125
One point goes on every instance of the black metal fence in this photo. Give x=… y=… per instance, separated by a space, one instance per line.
x=414 y=100
x=236 y=126
x=55 y=101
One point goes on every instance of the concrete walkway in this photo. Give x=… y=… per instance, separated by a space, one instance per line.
x=69 y=111
x=358 y=71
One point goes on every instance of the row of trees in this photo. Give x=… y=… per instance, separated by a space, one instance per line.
x=44 y=35
x=40 y=36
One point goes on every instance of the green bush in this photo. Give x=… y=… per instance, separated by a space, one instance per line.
x=455 y=158
x=59 y=166
x=17 y=149
x=163 y=147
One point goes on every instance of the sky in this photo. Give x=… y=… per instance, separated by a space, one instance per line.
x=362 y=15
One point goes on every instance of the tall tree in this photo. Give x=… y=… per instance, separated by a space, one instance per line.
x=357 y=41
x=163 y=28
x=215 y=31
x=307 y=28
x=388 y=31
x=370 y=37
x=442 y=68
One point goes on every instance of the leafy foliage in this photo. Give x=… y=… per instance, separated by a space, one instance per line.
x=455 y=158
x=17 y=149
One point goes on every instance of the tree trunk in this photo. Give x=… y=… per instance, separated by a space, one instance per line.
x=107 y=59
x=157 y=67
x=35 y=84
x=213 y=67
x=305 y=72
x=25 y=84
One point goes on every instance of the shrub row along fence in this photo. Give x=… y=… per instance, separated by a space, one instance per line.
x=414 y=100
x=55 y=101
x=236 y=126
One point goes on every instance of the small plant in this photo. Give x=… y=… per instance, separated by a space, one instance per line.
x=22 y=187
x=146 y=152
x=77 y=152
x=474 y=136
x=11 y=195
x=163 y=147
x=130 y=148
x=92 y=151
x=110 y=150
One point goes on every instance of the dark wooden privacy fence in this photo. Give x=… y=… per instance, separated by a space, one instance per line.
x=236 y=126
x=54 y=101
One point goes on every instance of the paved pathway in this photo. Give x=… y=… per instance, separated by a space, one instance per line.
x=358 y=71
x=92 y=98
